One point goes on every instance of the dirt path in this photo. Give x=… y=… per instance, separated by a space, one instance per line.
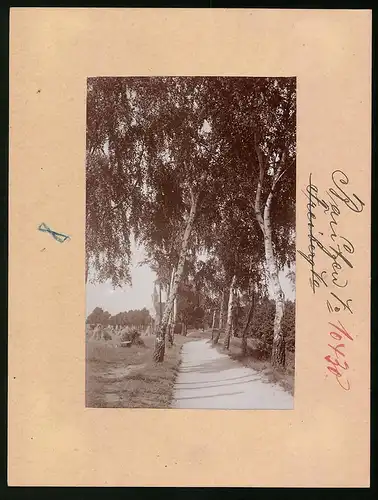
x=210 y=379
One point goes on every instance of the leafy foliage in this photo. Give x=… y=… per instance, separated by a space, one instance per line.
x=288 y=325
x=150 y=141
x=98 y=317
x=189 y=308
x=134 y=317
x=156 y=144
x=261 y=327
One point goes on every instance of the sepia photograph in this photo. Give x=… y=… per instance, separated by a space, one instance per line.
x=190 y=229
x=190 y=242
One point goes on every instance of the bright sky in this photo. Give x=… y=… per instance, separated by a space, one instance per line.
x=288 y=287
x=118 y=300
x=139 y=294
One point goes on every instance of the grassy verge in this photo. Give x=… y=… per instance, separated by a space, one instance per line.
x=257 y=361
x=119 y=377
x=198 y=334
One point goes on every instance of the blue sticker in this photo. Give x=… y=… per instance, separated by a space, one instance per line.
x=57 y=236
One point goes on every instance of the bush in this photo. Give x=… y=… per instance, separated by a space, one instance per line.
x=107 y=335
x=288 y=325
x=125 y=337
x=178 y=328
x=263 y=324
x=133 y=337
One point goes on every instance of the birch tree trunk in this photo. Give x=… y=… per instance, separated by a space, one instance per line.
x=218 y=332
x=230 y=313
x=213 y=322
x=221 y=312
x=175 y=311
x=245 y=330
x=278 y=349
x=171 y=320
x=235 y=319
x=172 y=323
x=159 y=350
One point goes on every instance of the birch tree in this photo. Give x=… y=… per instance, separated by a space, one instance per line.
x=259 y=125
x=171 y=160
x=114 y=178
x=182 y=146
x=275 y=152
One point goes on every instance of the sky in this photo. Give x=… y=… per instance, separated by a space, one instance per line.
x=139 y=294
x=118 y=300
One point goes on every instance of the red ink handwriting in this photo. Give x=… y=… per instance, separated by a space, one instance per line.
x=336 y=362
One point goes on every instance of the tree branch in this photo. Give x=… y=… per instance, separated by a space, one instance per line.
x=134 y=185
x=257 y=207
x=276 y=178
x=284 y=171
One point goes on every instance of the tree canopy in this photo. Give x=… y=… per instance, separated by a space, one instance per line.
x=192 y=165
x=134 y=317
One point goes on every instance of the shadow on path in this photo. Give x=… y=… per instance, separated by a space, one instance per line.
x=205 y=374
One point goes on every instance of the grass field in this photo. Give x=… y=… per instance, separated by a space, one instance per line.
x=118 y=377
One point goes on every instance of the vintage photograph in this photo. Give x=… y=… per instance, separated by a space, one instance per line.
x=190 y=242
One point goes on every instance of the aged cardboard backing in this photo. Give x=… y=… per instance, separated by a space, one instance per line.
x=53 y=438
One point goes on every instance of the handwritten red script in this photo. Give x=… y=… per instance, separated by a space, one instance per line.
x=336 y=367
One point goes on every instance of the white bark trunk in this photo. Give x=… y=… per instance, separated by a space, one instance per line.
x=175 y=311
x=230 y=310
x=213 y=322
x=171 y=319
x=171 y=281
x=160 y=335
x=278 y=350
x=231 y=301
x=221 y=312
